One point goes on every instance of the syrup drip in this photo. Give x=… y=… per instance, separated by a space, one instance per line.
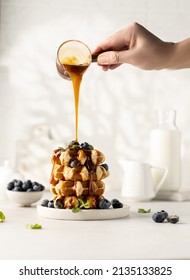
x=76 y=72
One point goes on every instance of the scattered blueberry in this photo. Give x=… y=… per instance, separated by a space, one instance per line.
x=165 y=213
x=116 y=203
x=74 y=163
x=104 y=203
x=51 y=204
x=86 y=146
x=159 y=217
x=59 y=203
x=105 y=166
x=45 y=202
x=173 y=219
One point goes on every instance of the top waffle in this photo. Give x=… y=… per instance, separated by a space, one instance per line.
x=65 y=157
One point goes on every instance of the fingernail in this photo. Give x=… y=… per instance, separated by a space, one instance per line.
x=102 y=59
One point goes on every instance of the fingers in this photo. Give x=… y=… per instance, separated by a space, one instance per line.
x=114 y=49
x=125 y=46
x=110 y=67
x=118 y=41
x=115 y=42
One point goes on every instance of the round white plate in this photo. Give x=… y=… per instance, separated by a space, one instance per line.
x=82 y=215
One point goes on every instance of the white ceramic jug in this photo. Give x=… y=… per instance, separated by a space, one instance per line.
x=138 y=184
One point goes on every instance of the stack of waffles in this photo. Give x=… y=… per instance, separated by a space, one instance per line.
x=77 y=174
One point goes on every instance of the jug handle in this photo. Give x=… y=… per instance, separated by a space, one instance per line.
x=163 y=177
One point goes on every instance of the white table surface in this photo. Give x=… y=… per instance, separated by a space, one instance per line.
x=133 y=237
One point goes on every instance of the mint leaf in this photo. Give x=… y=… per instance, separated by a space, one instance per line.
x=2 y=217
x=141 y=210
x=62 y=149
x=35 y=226
x=83 y=203
x=87 y=205
x=75 y=209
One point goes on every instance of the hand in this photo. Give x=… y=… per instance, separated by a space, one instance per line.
x=137 y=46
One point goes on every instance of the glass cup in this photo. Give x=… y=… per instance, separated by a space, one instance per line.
x=72 y=52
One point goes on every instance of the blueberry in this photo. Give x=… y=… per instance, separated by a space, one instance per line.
x=86 y=146
x=35 y=183
x=158 y=217
x=104 y=203
x=115 y=200
x=26 y=185
x=37 y=187
x=105 y=166
x=18 y=183
x=14 y=181
x=51 y=204
x=10 y=186
x=45 y=202
x=29 y=190
x=165 y=213
x=59 y=203
x=42 y=187
x=116 y=203
x=74 y=163
x=17 y=189
x=74 y=145
x=173 y=219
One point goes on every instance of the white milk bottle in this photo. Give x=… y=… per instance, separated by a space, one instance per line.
x=165 y=150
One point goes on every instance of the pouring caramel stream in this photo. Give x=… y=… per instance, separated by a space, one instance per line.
x=76 y=72
x=73 y=58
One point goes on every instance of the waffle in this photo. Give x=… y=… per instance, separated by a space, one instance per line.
x=77 y=173
x=78 y=188
x=64 y=157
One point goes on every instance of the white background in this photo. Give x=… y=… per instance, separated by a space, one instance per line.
x=116 y=108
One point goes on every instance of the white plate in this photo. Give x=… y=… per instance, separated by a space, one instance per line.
x=82 y=215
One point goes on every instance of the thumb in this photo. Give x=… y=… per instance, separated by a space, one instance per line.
x=113 y=57
x=108 y=58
